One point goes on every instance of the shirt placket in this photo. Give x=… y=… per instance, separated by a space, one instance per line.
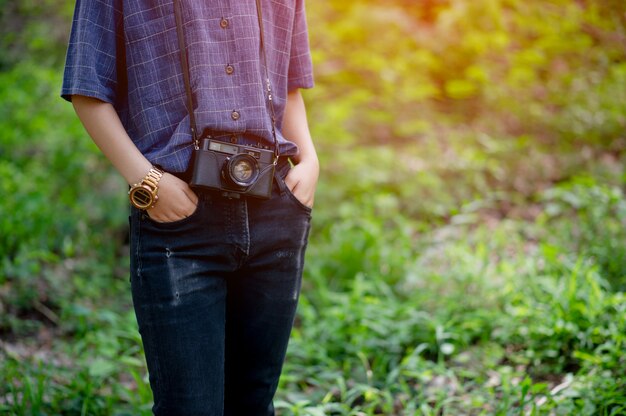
x=230 y=63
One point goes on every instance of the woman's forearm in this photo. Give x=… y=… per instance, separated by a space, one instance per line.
x=296 y=128
x=106 y=130
x=302 y=179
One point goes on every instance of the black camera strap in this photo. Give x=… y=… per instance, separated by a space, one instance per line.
x=178 y=12
x=268 y=84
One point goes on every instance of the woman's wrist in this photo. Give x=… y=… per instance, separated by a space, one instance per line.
x=144 y=194
x=309 y=158
x=138 y=172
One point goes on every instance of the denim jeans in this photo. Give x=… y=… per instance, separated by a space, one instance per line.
x=215 y=297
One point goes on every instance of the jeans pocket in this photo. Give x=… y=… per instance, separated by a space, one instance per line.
x=307 y=209
x=174 y=224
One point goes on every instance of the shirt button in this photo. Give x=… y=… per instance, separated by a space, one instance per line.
x=230 y=69
x=235 y=115
x=224 y=23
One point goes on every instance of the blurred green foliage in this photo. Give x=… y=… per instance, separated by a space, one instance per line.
x=400 y=68
x=35 y=30
x=468 y=252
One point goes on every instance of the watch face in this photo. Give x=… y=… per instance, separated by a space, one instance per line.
x=141 y=197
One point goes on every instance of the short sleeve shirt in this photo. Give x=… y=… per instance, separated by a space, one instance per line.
x=226 y=68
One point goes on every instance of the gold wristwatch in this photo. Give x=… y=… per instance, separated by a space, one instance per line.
x=143 y=195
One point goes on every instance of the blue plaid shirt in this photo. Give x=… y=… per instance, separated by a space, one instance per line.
x=226 y=68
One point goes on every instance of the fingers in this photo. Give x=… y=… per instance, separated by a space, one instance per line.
x=191 y=194
x=161 y=215
x=299 y=185
x=290 y=182
x=304 y=198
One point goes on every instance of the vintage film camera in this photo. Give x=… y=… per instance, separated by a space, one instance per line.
x=233 y=169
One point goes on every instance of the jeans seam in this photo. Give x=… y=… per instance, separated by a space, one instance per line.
x=138 y=248
x=151 y=317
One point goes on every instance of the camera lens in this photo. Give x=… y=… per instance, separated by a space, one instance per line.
x=242 y=170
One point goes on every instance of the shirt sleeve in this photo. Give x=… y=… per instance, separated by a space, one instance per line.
x=300 y=63
x=91 y=64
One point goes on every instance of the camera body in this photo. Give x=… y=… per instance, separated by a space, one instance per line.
x=233 y=169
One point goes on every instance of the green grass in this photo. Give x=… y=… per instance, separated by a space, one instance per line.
x=488 y=322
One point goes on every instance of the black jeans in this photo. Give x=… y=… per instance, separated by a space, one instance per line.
x=215 y=297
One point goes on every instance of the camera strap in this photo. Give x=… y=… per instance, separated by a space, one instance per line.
x=178 y=12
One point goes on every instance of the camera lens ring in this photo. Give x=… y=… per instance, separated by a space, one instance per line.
x=241 y=170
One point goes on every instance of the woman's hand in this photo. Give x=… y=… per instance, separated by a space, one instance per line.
x=302 y=181
x=176 y=200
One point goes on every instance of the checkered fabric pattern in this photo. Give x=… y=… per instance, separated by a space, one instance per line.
x=226 y=68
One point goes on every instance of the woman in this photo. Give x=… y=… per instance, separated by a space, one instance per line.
x=215 y=271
